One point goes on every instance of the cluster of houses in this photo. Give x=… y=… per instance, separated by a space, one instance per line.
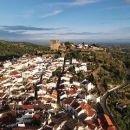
x=30 y=100
x=57 y=45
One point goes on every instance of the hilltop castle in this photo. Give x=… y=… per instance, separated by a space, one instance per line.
x=56 y=45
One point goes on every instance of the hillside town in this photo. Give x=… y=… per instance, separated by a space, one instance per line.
x=57 y=45
x=38 y=93
x=64 y=64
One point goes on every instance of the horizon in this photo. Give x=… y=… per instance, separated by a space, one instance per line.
x=66 y=20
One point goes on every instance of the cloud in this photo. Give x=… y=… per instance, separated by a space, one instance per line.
x=64 y=5
x=25 y=33
x=76 y=3
x=81 y=33
x=34 y=33
x=53 y=8
x=82 y=2
x=11 y=35
x=124 y=30
x=28 y=28
x=53 y=13
x=66 y=33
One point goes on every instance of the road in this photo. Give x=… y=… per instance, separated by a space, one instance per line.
x=103 y=102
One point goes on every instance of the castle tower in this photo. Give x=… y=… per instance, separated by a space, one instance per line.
x=55 y=44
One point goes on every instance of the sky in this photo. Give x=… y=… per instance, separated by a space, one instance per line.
x=87 y=20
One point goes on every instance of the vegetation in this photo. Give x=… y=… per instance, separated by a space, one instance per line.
x=106 y=68
x=122 y=53
x=121 y=113
x=9 y=49
x=71 y=69
x=91 y=79
x=57 y=72
x=121 y=116
x=57 y=54
x=109 y=68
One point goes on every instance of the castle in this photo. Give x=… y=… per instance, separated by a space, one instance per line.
x=55 y=44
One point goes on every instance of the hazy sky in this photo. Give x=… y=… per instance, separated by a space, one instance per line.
x=39 y=20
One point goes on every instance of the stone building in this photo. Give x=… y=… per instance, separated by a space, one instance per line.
x=55 y=44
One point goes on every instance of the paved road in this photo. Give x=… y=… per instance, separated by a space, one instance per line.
x=103 y=101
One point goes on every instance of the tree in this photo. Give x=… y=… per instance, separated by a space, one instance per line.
x=71 y=69
x=57 y=54
x=68 y=44
x=105 y=84
x=56 y=73
x=91 y=79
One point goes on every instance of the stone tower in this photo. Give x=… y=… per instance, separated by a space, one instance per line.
x=55 y=44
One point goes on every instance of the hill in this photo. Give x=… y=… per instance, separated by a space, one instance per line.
x=106 y=70
x=119 y=101
x=10 y=49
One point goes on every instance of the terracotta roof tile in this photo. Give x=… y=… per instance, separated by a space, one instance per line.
x=111 y=128
x=90 y=111
x=14 y=72
x=68 y=100
x=26 y=128
x=37 y=116
x=72 y=91
x=26 y=107
x=3 y=78
x=108 y=120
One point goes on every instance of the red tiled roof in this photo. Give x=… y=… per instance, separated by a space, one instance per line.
x=72 y=91
x=14 y=72
x=68 y=100
x=27 y=128
x=5 y=117
x=54 y=96
x=18 y=76
x=3 y=78
x=10 y=112
x=26 y=107
x=111 y=128
x=90 y=124
x=32 y=66
x=45 y=98
x=37 y=116
x=90 y=111
x=111 y=125
x=108 y=120
x=78 y=87
x=31 y=78
x=1 y=88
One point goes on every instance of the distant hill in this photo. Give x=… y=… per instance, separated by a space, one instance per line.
x=10 y=49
